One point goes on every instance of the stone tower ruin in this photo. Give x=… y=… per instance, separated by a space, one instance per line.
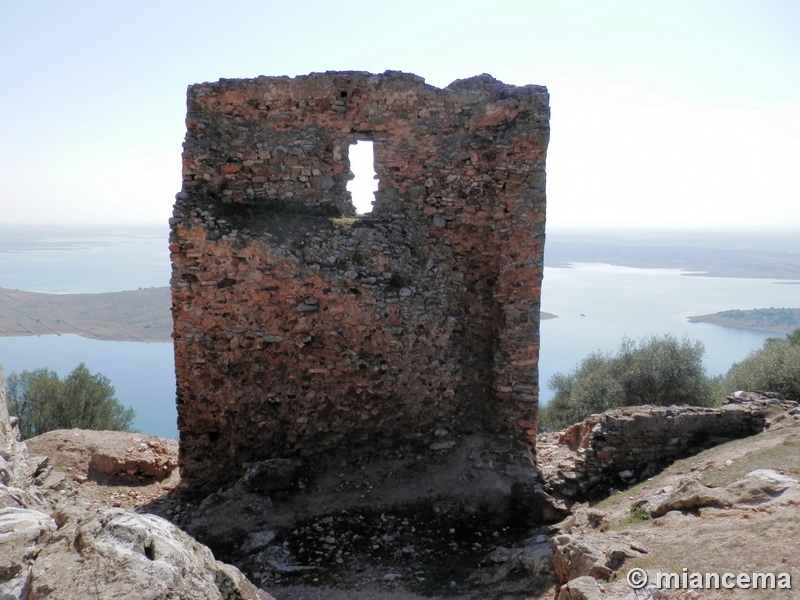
x=304 y=331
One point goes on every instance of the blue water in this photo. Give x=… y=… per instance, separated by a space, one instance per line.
x=143 y=375
x=623 y=301
x=86 y=260
x=96 y=260
x=616 y=302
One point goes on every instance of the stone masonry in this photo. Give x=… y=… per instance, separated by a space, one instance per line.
x=304 y=331
x=622 y=446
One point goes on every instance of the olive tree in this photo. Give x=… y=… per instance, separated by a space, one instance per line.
x=653 y=370
x=775 y=367
x=44 y=402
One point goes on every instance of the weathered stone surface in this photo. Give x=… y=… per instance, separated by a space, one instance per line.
x=596 y=555
x=582 y=588
x=757 y=487
x=689 y=495
x=149 y=458
x=14 y=468
x=299 y=334
x=20 y=531
x=114 y=553
x=621 y=446
x=14 y=497
x=761 y=485
x=584 y=519
x=88 y=552
x=226 y=520
x=535 y=506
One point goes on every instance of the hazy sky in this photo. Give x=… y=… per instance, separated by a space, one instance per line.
x=678 y=113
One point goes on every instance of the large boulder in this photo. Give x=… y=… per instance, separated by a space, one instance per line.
x=689 y=495
x=233 y=522
x=20 y=532
x=760 y=486
x=533 y=559
x=757 y=487
x=115 y=553
x=596 y=555
x=14 y=468
x=582 y=588
x=86 y=551
x=533 y=506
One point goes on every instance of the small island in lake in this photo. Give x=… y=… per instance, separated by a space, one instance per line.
x=780 y=320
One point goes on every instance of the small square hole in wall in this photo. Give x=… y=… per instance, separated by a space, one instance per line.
x=365 y=183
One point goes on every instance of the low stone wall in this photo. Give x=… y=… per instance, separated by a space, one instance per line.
x=622 y=446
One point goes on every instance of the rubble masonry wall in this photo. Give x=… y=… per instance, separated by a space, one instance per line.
x=624 y=445
x=304 y=331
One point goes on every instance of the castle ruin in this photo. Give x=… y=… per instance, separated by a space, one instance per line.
x=305 y=331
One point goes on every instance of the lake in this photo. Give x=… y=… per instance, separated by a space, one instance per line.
x=91 y=260
x=623 y=301
x=143 y=375
x=616 y=302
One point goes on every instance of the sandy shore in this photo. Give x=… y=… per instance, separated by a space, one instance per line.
x=134 y=316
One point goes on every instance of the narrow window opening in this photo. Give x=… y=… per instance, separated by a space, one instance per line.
x=365 y=181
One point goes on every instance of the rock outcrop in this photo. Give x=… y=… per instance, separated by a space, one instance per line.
x=582 y=588
x=757 y=487
x=53 y=545
x=595 y=555
x=14 y=468
x=115 y=553
x=305 y=332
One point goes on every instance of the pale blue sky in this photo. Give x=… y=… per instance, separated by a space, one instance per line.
x=680 y=113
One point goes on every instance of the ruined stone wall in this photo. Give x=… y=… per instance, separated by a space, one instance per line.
x=622 y=446
x=302 y=330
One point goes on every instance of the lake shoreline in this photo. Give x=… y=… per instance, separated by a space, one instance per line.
x=726 y=273
x=783 y=320
x=134 y=316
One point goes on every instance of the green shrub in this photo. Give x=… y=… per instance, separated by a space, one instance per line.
x=653 y=370
x=639 y=514
x=773 y=368
x=43 y=402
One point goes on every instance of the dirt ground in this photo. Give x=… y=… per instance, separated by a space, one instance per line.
x=761 y=538
x=764 y=538
x=70 y=454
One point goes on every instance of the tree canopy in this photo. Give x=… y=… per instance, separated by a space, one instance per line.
x=44 y=402
x=653 y=370
x=775 y=367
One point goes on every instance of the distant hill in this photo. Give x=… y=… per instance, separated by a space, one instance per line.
x=768 y=254
x=134 y=316
x=780 y=320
